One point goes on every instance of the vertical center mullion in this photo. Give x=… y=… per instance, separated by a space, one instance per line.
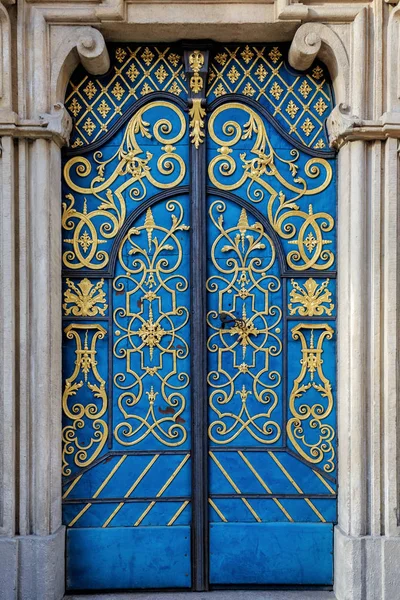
x=196 y=65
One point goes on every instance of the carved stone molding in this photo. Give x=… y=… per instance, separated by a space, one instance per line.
x=5 y=60
x=93 y=52
x=286 y=10
x=58 y=122
x=305 y=47
x=344 y=126
x=314 y=39
x=340 y=124
x=111 y=10
x=55 y=126
x=69 y=45
x=393 y=71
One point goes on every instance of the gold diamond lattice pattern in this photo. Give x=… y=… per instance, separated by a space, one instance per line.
x=299 y=102
x=96 y=103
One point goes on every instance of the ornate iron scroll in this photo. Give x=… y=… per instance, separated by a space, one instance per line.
x=151 y=329
x=106 y=186
x=244 y=329
x=96 y=103
x=147 y=338
x=298 y=102
x=278 y=183
x=84 y=399
x=308 y=427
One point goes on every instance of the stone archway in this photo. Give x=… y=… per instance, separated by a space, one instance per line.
x=32 y=545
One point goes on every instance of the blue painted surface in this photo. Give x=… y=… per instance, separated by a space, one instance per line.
x=272 y=482
x=262 y=73
x=123 y=558
x=135 y=254
x=271 y=553
x=164 y=270
x=258 y=195
x=272 y=509
x=134 y=69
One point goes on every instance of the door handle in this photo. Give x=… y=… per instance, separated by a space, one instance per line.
x=227 y=318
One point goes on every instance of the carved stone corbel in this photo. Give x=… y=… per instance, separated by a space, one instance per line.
x=58 y=122
x=304 y=49
x=341 y=124
x=93 y=51
x=315 y=39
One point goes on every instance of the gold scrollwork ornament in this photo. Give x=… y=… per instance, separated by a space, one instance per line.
x=262 y=174
x=243 y=276
x=304 y=412
x=110 y=188
x=148 y=344
x=88 y=413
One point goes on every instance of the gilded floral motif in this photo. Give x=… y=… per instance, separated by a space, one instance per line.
x=86 y=298
x=197 y=114
x=311 y=299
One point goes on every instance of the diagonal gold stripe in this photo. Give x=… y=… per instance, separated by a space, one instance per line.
x=131 y=489
x=284 y=471
x=266 y=488
x=174 y=474
x=297 y=487
x=71 y=487
x=251 y=509
x=162 y=490
x=235 y=487
x=228 y=477
x=315 y=509
x=97 y=492
x=141 y=476
x=110 y=518
x=178 y=512
x=78 y=516
x=110 y=475
x=144 y=513
x=217 y=510
x=326 y=484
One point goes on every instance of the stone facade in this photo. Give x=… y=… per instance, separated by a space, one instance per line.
x=41 y=44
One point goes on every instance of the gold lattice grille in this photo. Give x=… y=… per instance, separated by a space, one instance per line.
x=300 y=102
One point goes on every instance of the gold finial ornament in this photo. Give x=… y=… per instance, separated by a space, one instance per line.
x=196 y=61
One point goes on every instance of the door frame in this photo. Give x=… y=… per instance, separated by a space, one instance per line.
x=49 y=37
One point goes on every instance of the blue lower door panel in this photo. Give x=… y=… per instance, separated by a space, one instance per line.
x=271 y=553
x=128 y=558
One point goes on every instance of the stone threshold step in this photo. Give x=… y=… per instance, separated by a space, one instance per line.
x=225 y=595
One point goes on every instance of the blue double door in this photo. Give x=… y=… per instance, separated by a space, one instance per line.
x=199 y=347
